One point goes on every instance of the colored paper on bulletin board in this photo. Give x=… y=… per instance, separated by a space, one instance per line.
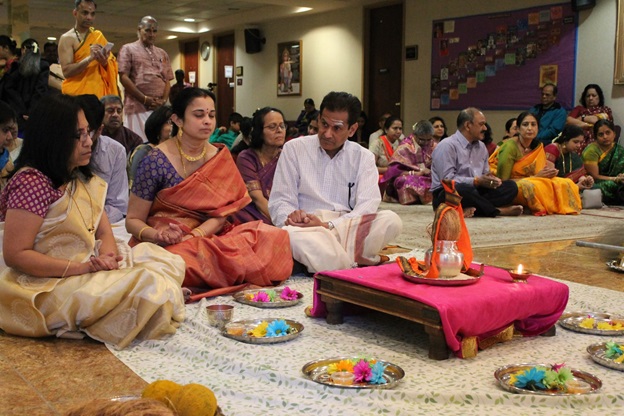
x=513 y=51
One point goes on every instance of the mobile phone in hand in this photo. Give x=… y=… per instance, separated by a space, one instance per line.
x=108 y=47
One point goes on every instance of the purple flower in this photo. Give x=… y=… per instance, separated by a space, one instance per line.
x=289 y=294
x=362 y=372
x=261 y=297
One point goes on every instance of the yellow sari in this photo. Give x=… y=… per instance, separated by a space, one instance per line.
x=95 y=79
x=141 y=300
x=543 y=196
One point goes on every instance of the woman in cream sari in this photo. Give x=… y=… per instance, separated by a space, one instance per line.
x=522 y=158
x=66 y=275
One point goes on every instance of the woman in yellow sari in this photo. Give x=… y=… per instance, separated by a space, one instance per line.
x=522 y=158
x=61 y=271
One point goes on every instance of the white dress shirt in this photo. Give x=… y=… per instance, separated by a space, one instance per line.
x=306 y=178
x=109 y=163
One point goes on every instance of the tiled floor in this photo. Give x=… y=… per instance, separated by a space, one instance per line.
x=47 y=376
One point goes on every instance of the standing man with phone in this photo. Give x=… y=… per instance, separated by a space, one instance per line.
x=85 y=58
x=145 y=72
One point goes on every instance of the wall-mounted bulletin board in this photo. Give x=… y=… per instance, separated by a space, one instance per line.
x=499 y=61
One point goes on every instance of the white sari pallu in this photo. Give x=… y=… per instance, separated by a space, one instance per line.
x=141 y=300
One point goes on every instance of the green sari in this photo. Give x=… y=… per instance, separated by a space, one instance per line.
x=609 y=163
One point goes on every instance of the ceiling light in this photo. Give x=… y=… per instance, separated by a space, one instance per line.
x=188 y=19
x=51 y=38
x=172 y=37
x=303 y=9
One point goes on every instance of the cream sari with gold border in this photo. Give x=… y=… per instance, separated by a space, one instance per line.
x=141 y=300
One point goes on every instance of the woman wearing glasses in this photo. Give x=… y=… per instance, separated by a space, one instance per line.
x=183 y=193
x=257 y=164
x=63 y=273
x=8 y=140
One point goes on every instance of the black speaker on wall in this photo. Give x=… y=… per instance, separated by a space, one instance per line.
x=253 y=41
x=578 y=5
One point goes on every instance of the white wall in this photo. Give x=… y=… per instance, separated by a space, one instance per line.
x=595 y=55
x=332 y=60
x=333 y=57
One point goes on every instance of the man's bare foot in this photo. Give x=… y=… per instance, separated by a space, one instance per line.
x=511 y=211
x=469 y=212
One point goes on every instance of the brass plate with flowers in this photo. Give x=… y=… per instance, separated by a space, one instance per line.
x=546 y=380
x=593 y=323
x=609 y=354
x=269 y=298
x=364 y=373
x=263 y=330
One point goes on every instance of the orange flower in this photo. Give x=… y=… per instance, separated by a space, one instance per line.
x=344 y=365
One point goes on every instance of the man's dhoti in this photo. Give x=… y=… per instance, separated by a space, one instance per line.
x=354 y=242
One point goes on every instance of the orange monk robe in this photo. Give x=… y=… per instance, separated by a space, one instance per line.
x=95 y=79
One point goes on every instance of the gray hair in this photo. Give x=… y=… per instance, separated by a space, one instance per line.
x=108 y=99
x=465 y=115
x=423 y=128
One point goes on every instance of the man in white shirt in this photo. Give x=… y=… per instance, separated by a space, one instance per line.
x=325 y=194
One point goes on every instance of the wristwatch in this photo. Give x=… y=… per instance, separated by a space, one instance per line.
x=583 y=117
x=330 y=225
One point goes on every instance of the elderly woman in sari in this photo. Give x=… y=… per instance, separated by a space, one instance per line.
x=562 y=155
x=604 y=161
x=408 y=178
x=183 y=193
x=257 y=164
x=384 y=147
x=522 y=158
x=63 y=273
x=587 y=114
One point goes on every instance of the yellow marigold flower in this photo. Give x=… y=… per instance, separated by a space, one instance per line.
x=587 y=323
x=261 y=330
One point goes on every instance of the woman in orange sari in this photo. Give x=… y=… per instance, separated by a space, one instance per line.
x=522 y=158
x=384 y=147
x=183 y=192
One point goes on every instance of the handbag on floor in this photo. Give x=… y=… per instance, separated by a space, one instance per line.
x=591 y=198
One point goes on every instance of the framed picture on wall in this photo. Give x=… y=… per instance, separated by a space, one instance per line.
x=289 y=65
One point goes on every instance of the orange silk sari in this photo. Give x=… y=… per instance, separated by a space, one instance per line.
x=251 y=253
x=95 y=79
x=543 y=196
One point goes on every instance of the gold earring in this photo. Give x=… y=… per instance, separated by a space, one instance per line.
x=180 y=132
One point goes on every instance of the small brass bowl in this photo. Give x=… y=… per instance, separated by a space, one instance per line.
x=519 y=277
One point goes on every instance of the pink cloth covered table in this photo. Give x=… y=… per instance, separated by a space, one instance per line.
x=481 y=309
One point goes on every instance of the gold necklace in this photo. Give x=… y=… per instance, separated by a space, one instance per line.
x=92 y=228
x=191 y=158
x=563 y=160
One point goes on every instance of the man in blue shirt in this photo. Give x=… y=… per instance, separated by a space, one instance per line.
x=550 y=115
x=463 y=158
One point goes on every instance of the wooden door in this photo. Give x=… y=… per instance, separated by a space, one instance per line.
x=384 y=68
x=191 y=60
x=224 y=90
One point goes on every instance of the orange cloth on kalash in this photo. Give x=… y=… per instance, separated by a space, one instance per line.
x=452 y=203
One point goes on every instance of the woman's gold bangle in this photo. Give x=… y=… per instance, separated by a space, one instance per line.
x=144 y=99
x=141 y=232
x=66 y=268
x=200 y=231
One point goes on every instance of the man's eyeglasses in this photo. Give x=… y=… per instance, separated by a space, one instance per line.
x=275 y=127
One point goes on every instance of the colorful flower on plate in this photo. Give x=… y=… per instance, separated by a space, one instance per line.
x=344 y=365
x=542 y=378
x=261 y=297
x=289 y=294
x=277 y=328
x=377 y=374
x=362 y=372
x=610 y=326
x=531 y=379
x=615 y=351
x=260 y=331
x=588 y=323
